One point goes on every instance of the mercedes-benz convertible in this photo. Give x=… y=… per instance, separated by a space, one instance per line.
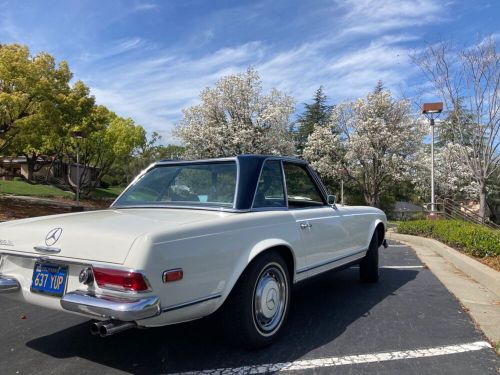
x=189 y=238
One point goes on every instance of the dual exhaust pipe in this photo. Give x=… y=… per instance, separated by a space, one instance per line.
x=110 y=327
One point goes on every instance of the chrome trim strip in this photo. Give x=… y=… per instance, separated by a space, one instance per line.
x=163 y=206
x=110 y=307
x=42 y=258
x=62 y=260
x=363 y=214
x=237 y=185
x=47 y=249
x=318 y=218
x=284 y=183
x=308 y=268
x=214 y=160
x=8 y=284
x=190 y=303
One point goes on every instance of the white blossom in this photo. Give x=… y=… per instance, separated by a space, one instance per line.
x=452 y=176
x=377 y=139
x=234 y=117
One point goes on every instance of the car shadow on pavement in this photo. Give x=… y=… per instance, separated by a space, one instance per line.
x=322 y=309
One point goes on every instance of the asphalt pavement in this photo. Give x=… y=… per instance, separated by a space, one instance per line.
x=406 y=323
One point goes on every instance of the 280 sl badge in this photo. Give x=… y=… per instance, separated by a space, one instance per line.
x=6 y=243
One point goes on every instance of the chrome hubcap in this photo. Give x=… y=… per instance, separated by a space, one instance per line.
x=270 y=298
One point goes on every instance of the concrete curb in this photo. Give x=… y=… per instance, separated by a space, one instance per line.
x=484 y=275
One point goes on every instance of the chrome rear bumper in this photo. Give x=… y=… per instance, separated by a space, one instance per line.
x=109 y=307
x=8 y=284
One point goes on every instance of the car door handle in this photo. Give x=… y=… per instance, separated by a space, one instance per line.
x=305 y=225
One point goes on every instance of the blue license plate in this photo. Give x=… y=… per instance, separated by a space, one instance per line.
x=49 y=279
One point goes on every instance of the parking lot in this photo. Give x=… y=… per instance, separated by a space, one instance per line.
x=407 y=323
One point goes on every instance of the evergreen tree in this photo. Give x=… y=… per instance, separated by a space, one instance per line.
x=447 y=129
x=316 y=113
x=379 y=87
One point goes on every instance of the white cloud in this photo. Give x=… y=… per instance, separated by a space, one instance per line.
x=120 y=47
x=366 y=40
x=153 y=91
x=377 y=16
x=145 y=6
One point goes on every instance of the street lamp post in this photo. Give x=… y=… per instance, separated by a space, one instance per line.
x=78 y=135
x=342 y=172
x=432 y=111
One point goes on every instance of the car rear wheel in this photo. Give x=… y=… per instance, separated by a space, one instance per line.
x=368 y=268
x=258 y=306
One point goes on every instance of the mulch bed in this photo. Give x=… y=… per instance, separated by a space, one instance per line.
x=493 y=262
x=11 y=208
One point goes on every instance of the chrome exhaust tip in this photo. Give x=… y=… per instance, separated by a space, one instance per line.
x=112 y=327
x=95 y=327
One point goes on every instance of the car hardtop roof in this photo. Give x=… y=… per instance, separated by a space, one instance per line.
x=249 y=157
x=249 y=170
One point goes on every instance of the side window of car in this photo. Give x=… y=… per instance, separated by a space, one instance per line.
x=301 y=188
x=270 y=191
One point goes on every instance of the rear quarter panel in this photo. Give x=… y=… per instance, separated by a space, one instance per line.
x=212 y=257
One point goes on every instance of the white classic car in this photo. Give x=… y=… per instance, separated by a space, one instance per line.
x=187 y=238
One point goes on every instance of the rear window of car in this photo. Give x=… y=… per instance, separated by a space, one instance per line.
x=197 y=184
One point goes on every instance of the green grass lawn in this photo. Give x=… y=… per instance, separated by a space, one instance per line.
x=109 y=193
x=23 y=188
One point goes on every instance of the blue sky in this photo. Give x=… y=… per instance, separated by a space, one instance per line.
x=149 y=59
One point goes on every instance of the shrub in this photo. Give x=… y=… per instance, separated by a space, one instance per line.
x=473 y=239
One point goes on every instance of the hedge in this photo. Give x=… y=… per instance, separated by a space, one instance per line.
x=473 y=239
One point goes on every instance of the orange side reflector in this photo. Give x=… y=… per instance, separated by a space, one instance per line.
x=173 y=275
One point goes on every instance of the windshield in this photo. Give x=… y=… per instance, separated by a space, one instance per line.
x=197 y=184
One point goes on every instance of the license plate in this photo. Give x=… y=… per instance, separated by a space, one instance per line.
x=49 y=279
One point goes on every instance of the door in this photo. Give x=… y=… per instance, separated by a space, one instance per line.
x=323 y=234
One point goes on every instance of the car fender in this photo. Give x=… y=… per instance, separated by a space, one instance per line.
x=247 y=257
x=373 y=227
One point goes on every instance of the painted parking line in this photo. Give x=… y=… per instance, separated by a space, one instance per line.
x=345 y=360
x=398 y=267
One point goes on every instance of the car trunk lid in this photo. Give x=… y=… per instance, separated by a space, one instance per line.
x=102 y=236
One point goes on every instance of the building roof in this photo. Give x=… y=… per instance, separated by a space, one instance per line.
x=406 y=207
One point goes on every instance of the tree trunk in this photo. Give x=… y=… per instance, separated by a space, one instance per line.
x=483 y=194
x=370 y=199
x=31 y=161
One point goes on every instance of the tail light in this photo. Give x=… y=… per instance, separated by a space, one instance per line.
x=125 y=280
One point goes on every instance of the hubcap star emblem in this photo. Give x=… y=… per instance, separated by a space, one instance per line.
x=271 y=299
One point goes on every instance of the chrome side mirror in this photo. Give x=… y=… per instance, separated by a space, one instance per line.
x=331 y=200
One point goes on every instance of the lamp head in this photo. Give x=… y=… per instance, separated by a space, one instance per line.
x=432 y=108
x=78 y=134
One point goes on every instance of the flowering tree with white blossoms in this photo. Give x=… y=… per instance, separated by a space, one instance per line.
x=234 y=117
x=452 y=176
x=377 y=141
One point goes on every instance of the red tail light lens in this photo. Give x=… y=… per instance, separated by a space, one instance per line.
x=120 y=279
